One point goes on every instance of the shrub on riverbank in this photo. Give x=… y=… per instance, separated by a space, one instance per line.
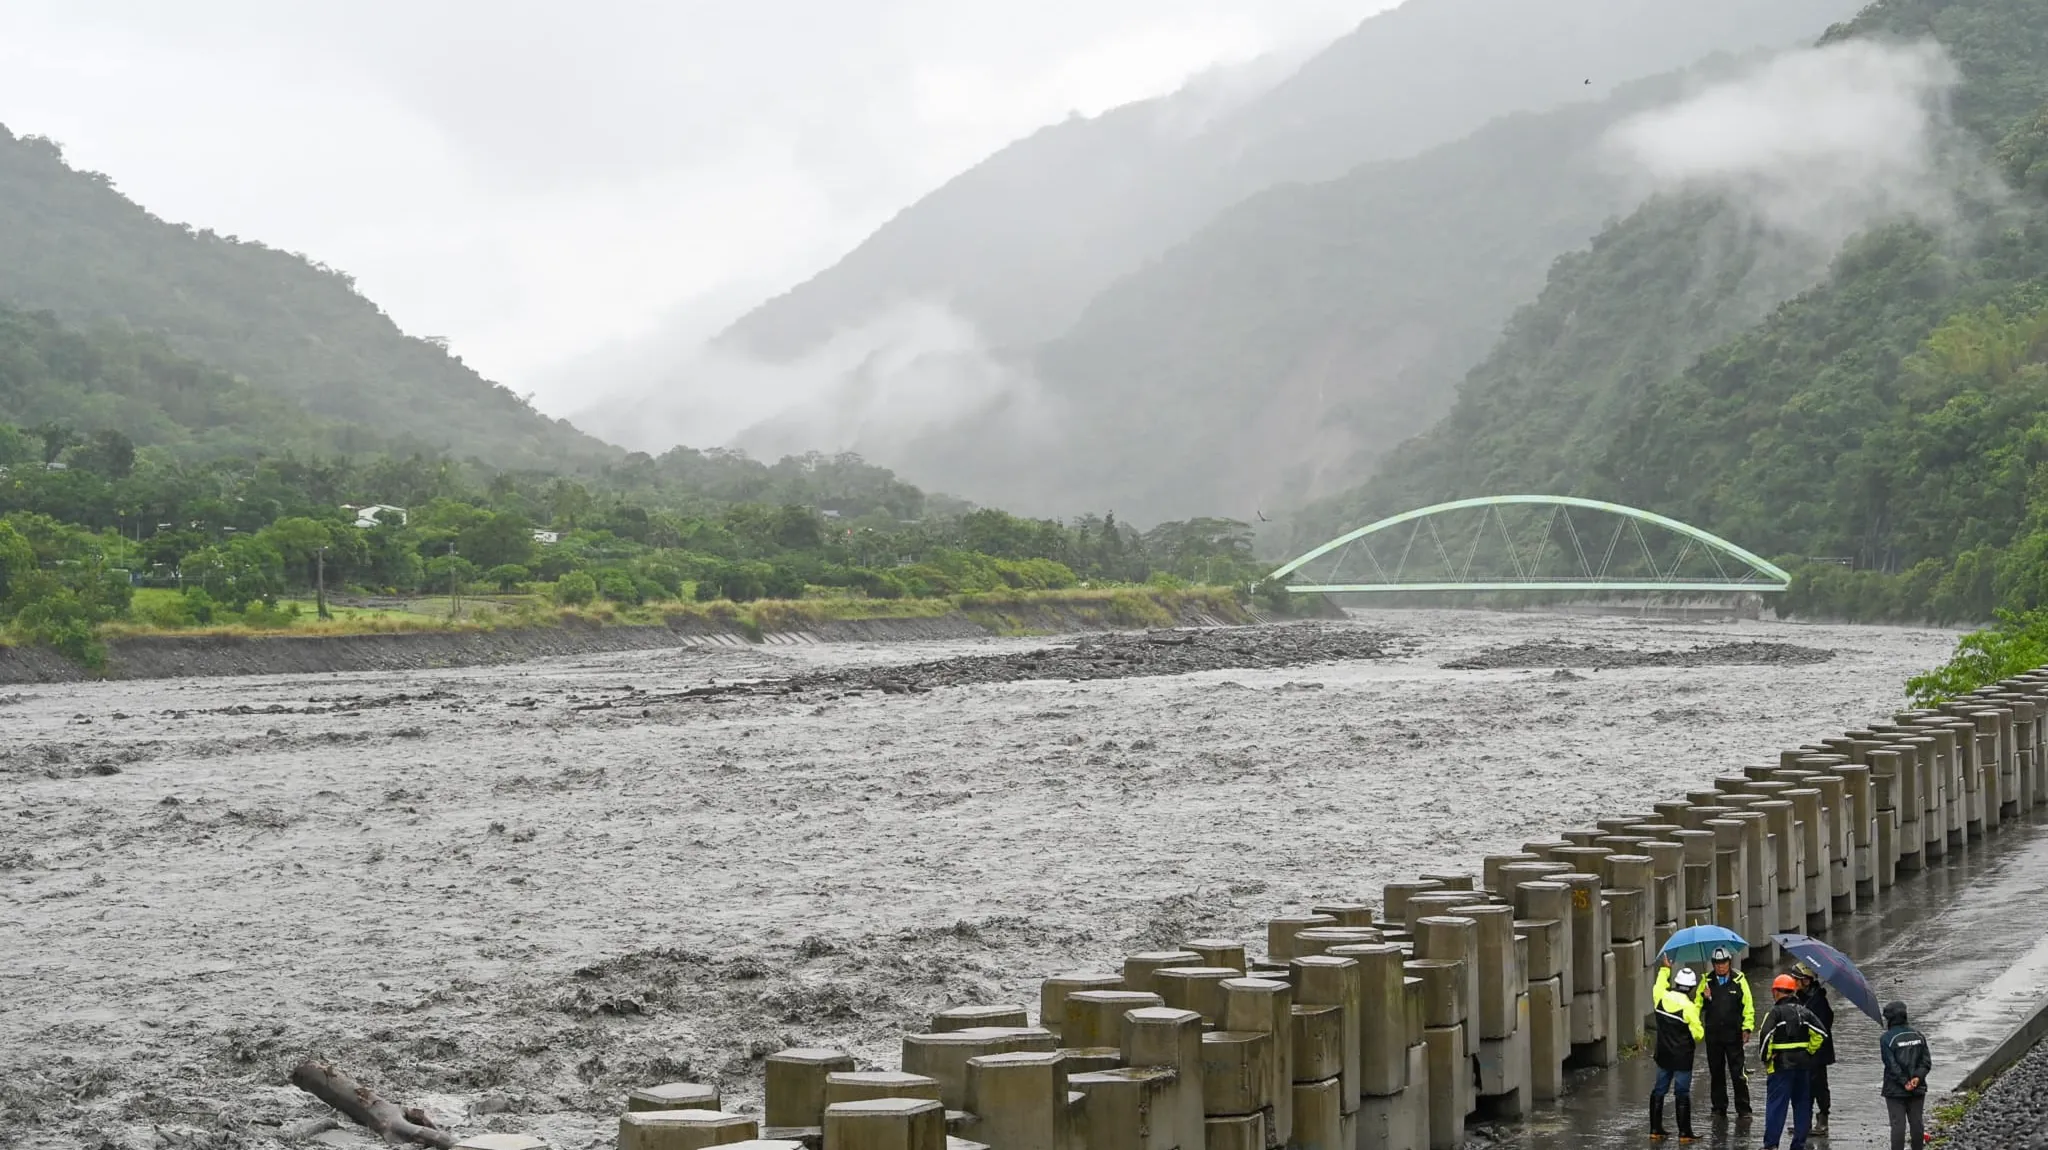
x=2018 y=644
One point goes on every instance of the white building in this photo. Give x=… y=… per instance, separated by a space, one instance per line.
x=367 y=517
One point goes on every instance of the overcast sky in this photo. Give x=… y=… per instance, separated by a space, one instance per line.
x=535 y=180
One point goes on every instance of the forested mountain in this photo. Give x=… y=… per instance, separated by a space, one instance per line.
x=1893 y=413
x=1020 y=243
x=134 y=384
x=294 y=330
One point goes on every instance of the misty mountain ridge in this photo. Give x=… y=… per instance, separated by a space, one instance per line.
x=73 y=245
x=1884 y=412
x=1036 y=251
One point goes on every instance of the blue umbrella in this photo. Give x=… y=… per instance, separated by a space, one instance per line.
x=1695 y=943
x=1835 y=969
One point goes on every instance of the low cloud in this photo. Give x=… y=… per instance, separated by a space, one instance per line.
x=885 y=390
x=1820 y=143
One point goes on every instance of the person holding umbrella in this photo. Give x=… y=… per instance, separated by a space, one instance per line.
x=1679 y=1032
x=1903 y=1050
x=1729 y=1014
x=1790 y=1040
x=1813 y=994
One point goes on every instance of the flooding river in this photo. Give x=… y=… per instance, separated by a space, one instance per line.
x=479 y=897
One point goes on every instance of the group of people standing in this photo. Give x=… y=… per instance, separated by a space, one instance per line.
x=1795 y=1042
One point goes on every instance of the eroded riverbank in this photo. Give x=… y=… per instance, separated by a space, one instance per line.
x=486 y=899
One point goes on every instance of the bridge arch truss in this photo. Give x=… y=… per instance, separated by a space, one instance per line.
x=1529 y=543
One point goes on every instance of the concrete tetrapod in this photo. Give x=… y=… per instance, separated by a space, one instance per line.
x=1266 y=1006
x=795 y=1085
x=685 y=1129
x=1019 y=1101
x=674 y=1096
x=1161 y=1037
x=886 y=1124
x=1053 y=992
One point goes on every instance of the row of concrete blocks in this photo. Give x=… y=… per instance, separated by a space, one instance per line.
x=1465 y=995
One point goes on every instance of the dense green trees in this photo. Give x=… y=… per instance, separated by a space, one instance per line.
x=1885 y=430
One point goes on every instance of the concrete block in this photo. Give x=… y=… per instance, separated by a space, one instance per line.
x=1382 y=1018
x=1096 y=1017
x=1456 y=939
x=1396 y=1121
x=1020 y=1100
x=1347 y=914
x=795 y=1082
x=1504 y=1066
x=1196 y=988
x=1500 y=979
x=1087 y=1059
x=1240 y=1132
x=863 y=1085
x=1451 y=1098
x=944 y=1056
x=1319 y=1116
x=1490 y=869
x=1394 y=898
x=1267 y=1006
x=514 y=1142
x=683 y=1129
x=1322 y=939
x=1237 y=1073
x=1633 y=981
x=1325 y=980
x=1318 y=1043
x=1443 y=990
x=1223 y=952
x=1053 y=992
x=1133 y=1107
x=1549 y=1039
x=1280 y=933
x=1163 y=1037
x=674 y=1096
x=1549 y=944
x=1139 y=968
x=966 y=1017
x=1628 y=914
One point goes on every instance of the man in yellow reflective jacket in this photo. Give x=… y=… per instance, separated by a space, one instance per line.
x=1679 y=1032
x=1789 y=1042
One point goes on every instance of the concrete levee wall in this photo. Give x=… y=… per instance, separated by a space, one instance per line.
x=1390 y=1025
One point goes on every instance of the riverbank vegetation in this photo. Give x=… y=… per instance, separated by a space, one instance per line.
x=100 y=535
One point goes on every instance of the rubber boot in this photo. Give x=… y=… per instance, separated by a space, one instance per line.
x=1685 y=1133
x=1656 y=1117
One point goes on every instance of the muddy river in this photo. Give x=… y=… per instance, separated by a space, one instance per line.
x=509 y=894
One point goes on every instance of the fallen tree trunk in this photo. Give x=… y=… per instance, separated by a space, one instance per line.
x=365 y=1109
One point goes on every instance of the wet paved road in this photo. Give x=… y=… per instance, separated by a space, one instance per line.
x=1965 y=945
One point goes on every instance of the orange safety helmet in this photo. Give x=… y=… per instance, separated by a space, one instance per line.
x=1785 y=982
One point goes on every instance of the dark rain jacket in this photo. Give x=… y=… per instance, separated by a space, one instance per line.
x=1903 y=1050
x=1816 y=1000
x=1791 y=1037
x=1679 y=1030
x=1726 y=1007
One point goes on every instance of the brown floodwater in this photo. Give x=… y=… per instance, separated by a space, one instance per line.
x=484 y=900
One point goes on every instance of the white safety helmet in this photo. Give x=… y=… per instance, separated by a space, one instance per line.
x=1721 y=955
x=1686 y=978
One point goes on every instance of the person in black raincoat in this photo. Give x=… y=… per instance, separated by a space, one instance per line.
x=1813 y=995
x=1907 y=1061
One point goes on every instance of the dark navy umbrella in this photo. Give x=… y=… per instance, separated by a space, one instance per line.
x=1835 y=969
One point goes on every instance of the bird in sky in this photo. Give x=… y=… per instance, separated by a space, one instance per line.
x=1261 y=515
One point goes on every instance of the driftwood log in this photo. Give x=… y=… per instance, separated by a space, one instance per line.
x=395 y=1123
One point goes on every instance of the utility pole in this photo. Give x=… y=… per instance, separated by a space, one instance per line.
x=454 y=603
x=320 y=582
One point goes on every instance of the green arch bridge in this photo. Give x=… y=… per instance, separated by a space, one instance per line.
x=1529 y=543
